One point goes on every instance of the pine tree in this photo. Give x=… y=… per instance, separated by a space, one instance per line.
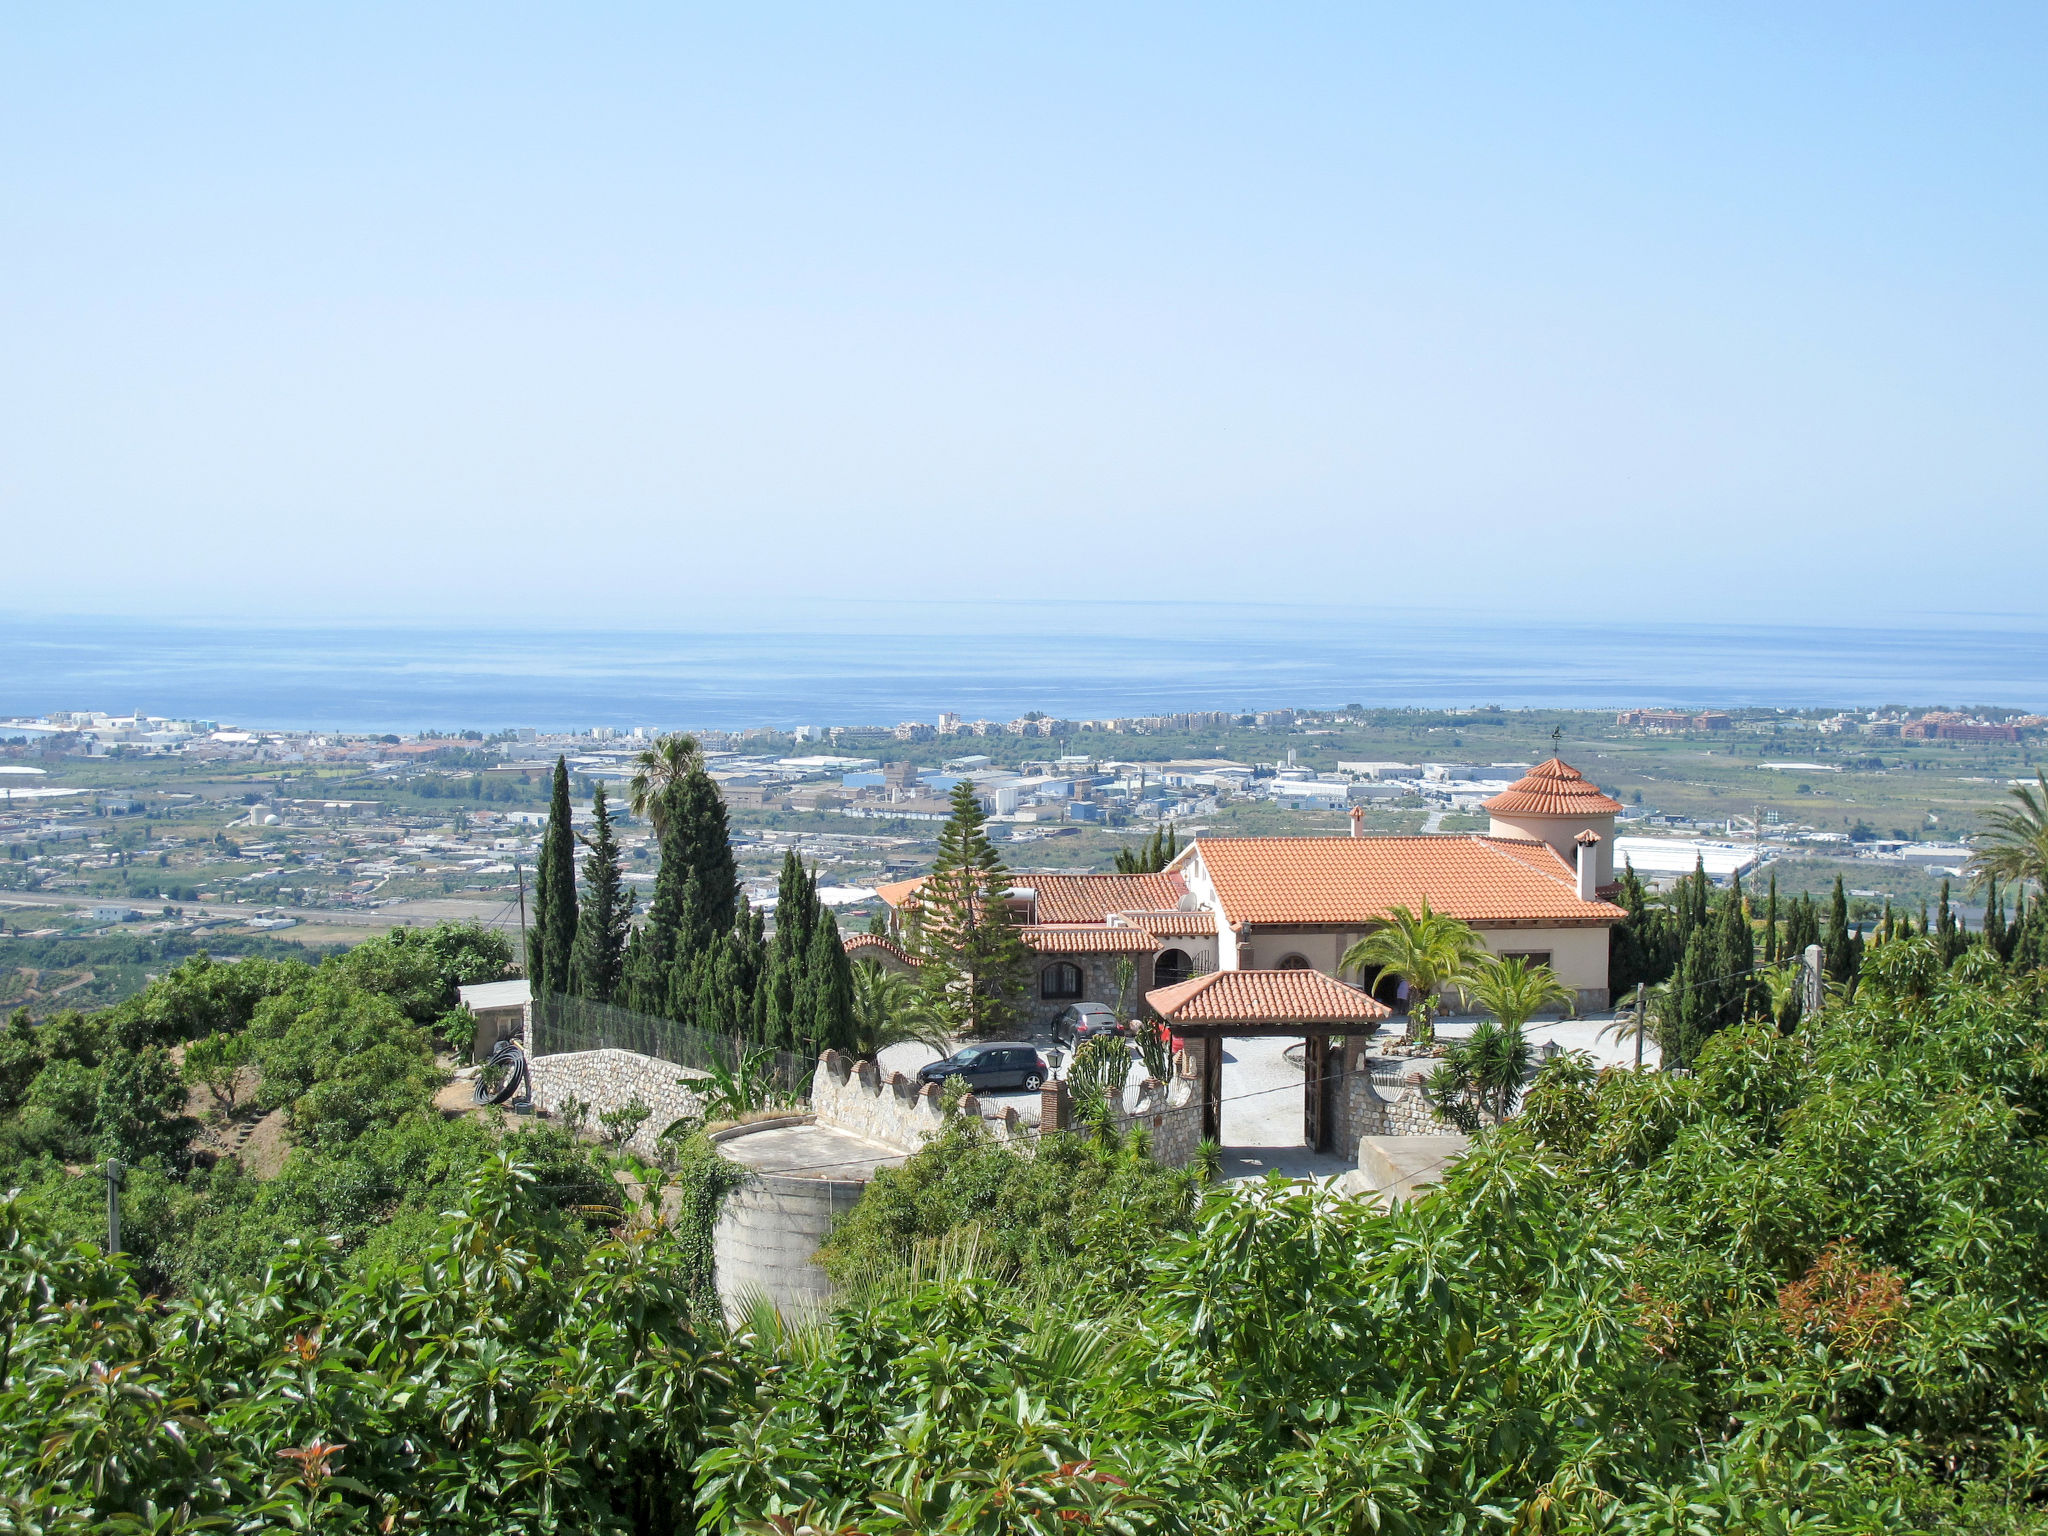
x=606 y=917
x=554 y=892
x=971 y=959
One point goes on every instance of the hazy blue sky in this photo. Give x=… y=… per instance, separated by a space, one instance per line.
x=643 y=313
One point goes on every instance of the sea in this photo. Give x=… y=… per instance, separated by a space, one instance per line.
x=849 y=664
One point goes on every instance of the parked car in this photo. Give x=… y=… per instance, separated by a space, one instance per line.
x=997 y=1064
x=1082 y=1022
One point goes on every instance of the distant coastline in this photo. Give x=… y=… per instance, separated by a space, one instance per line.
x=1076 y=660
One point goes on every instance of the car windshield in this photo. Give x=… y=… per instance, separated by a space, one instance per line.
x=973 y=1053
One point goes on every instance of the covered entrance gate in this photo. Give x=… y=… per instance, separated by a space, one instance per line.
x=1208 y=1010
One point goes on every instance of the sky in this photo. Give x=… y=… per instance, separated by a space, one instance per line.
x=612 y=314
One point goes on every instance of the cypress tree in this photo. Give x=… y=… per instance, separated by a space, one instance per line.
x=1771 y=922
x=828 y=991
x=708 y=851
x=606 y=917
x=1950 y=937
x=796 y=901
x=1802 y=927
x=1837 y=954
x=650 y=956
x=1995 y=938
x=971 y=959
x=1735 y=985
x=554 y=892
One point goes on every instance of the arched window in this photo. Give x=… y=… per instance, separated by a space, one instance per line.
x=1060 y=982
x=1294 y=963
x=1173 y=965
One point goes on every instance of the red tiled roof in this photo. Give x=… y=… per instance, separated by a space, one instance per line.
x=901 y=891
x=1264 y=997
x=1091 y=898
x=866 y=941
x=1172 y=925
x=1283 y=881
x=1554 y=788
x=1087 y=939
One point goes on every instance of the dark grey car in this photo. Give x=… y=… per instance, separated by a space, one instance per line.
x=996 y=1064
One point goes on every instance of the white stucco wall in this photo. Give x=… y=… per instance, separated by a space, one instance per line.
x=1558 y=831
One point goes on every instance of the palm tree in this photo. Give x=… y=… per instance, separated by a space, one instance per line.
x=2016 y=847
x=1481 y=1075
x=888 y=1009
x=1515 y=990
x=667 y=762
x=1426 y=949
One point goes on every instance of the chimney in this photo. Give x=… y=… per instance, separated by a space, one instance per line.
x=1358 y=821
x=1589 y=865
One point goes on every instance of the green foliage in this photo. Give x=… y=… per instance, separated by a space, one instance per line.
x=216 y=1064
x=597 y=959
x=553 y=935
x=481 y=1387
x=1150 y=856
x=1077 y=1205
x=338 y=1059
x=1427 y=949
x=971 y=960
x=618 y=1125
x=421 y=969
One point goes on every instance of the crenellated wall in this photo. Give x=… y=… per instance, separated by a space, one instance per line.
x=894 y=1110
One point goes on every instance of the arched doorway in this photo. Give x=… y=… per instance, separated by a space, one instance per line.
x=1172 y=967
x=1381 y=985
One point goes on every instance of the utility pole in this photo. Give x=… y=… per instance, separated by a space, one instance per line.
x=1641 y=1022
x=519 y=873
x=1810 y=992
x=114 y=1171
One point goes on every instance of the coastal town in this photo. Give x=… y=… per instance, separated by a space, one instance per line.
x=130 y=823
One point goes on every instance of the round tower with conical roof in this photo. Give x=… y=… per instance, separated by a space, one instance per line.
x=1553 y=803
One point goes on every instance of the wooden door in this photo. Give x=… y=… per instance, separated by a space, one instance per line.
x=1318 y=1092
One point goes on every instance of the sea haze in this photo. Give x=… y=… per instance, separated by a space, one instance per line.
x=1083 y=660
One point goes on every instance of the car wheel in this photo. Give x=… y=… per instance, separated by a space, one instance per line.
x=1033 y=1081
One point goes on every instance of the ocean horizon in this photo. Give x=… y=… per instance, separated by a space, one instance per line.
x=848 y=666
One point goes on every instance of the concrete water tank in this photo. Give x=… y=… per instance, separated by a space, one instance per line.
x=803 y=1178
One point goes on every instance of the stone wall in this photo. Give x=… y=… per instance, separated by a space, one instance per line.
x=1098 y=974
x=1366 y=1108
x=1170 y=1114
x=610 y=1079
x=892 y=1110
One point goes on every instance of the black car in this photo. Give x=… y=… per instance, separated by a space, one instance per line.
x=997 y=1064
x=1082 y=1022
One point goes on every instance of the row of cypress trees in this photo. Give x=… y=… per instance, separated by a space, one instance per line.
x=703 y=956
x=1710 y=946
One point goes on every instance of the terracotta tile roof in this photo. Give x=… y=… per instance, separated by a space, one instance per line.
x=901 y=891
x=1264 y=997
x=1295 y=880
x=1554 y=788
x=1171 y=925
x=861 y=943
x=1091 y=898
x=1087 y=939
